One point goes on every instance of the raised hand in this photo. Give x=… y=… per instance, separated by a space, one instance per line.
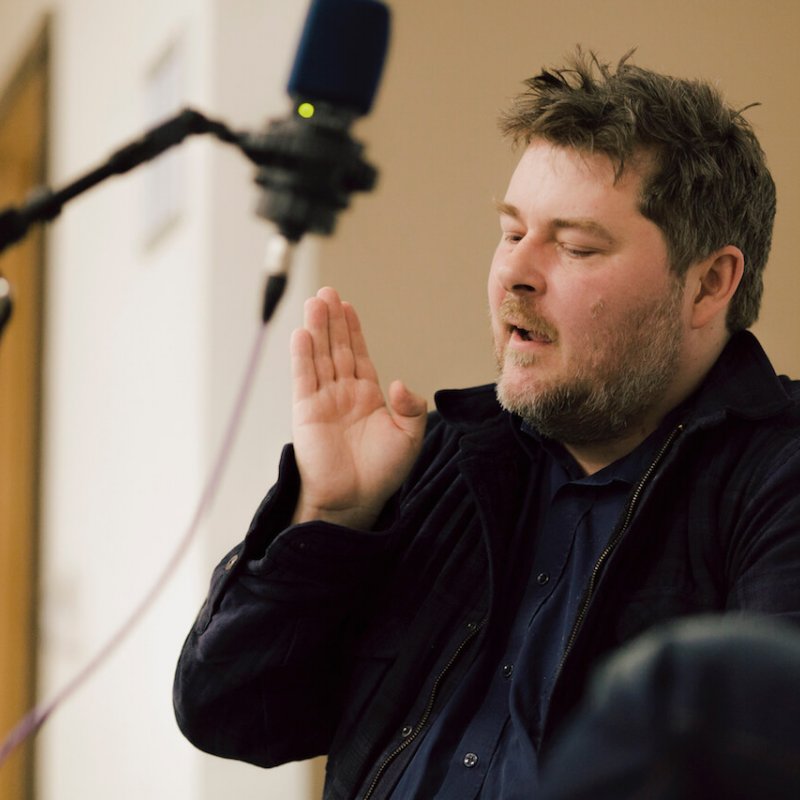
x=353 y=449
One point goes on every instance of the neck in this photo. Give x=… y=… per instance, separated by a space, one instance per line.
x=596 y=456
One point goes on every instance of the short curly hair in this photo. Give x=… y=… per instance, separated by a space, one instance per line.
x=710 y=186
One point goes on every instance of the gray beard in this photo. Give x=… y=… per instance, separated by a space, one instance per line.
x=605 y=403
x=580 y=413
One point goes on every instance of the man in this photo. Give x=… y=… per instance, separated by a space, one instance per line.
x=423 y=598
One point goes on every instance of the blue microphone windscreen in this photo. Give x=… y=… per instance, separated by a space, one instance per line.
x=341 y=53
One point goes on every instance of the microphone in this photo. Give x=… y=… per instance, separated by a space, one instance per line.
x=309 y=164
x=341 y=53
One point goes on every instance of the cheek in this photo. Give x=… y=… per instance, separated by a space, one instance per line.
x=598 y=309
x=581 y=311
x=596 y=324
x=494 y=293
x=603 y=323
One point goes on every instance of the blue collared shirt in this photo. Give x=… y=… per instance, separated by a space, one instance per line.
x=481 y=746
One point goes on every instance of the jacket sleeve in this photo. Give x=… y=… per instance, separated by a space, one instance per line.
x=261 y=673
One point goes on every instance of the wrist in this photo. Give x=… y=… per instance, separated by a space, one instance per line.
x=357 y=517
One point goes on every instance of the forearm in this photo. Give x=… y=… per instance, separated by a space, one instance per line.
x=258 y=677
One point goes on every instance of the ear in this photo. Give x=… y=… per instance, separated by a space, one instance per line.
x=713 y=282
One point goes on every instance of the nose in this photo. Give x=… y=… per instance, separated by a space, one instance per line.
x=516 y=267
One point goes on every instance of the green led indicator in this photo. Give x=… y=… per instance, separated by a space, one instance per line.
x=306 y=110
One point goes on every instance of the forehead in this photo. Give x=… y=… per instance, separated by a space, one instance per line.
x=578 y=179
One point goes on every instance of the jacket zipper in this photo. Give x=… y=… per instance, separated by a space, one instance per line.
x=609 y=548
x=427 y=712
x=613 y=542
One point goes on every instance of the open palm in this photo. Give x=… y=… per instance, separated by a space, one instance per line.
x=353 y=449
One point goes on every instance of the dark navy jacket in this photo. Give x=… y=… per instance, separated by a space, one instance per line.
x=319 y=639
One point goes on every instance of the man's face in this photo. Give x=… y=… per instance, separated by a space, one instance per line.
x=586 y=316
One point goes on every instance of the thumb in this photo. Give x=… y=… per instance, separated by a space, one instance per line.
x=409 y=410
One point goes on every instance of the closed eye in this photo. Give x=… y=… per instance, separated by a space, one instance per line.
x=577 y=252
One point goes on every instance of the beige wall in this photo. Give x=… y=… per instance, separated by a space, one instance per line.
x=414 y=257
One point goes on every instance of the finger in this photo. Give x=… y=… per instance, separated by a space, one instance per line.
x=316 y=323
x=304 y=373
x=338 y=334
x=409 y=410
x=362 y=363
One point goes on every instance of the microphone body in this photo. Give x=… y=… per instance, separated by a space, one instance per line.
x=341 y=53
x=309 y=164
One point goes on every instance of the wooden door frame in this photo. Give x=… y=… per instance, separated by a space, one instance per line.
x=23 y=100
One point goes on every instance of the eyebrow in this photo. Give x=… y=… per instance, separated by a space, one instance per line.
x=588 y=225
x=579 y=223
x=506 y=209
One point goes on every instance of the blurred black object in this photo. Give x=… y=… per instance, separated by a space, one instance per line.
x=704 y=708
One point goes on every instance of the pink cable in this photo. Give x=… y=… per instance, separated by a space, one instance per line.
x=38 y=715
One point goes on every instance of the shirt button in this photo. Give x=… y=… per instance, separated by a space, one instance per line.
x=508 y=670
x=542 y=578
x=470 y=760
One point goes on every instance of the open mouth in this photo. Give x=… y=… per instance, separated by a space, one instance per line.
x=526 y=335
x=522 y=334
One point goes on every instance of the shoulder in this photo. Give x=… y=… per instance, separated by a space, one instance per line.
x=466 y=409
x=472 y=413
x=468 y=419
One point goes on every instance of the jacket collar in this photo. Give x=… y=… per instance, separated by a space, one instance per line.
x=742 y=383
x=466 y=408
